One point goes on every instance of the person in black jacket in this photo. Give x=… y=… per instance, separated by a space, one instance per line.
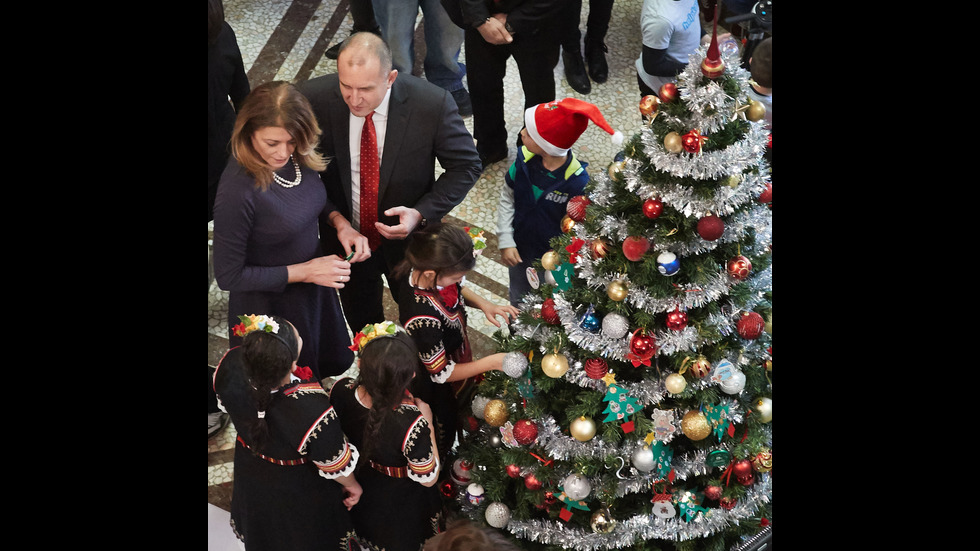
x=494 y=32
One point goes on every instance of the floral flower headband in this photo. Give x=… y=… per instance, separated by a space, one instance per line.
x=372 y=331
x=479 y=240
x=254 y=322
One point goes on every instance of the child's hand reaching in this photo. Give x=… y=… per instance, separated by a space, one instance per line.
x=508 y=312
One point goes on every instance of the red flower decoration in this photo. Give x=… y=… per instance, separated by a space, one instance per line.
x=304 y=373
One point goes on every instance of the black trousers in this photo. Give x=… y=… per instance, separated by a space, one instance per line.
x=600 y=12
x=536 y=55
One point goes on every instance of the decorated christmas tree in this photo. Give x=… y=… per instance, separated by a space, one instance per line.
x=635 y=406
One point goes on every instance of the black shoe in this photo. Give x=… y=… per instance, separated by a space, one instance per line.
x=333 y=51
x=463 y=102
x=575 y=71
x=489 y=159
x=216 y=422
x=595 y=58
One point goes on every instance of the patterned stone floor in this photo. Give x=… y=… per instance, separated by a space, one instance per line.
x=286 y=39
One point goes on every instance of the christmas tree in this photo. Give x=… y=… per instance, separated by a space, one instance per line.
x=635 y=406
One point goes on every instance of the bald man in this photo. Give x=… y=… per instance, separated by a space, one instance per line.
x=415 y=124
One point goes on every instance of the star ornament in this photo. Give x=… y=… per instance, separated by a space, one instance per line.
x=609 y=378
x=740 y=110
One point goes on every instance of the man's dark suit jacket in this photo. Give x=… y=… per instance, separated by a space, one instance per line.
x=423 y=125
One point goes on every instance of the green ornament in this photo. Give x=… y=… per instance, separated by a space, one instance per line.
x=718 y=458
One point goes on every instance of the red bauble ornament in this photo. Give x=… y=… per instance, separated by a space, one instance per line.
x=711 y=227
x=692 y=141
x=513 y=471
x=548 y=312
x=649 y=105
x=448 y=490
x=750 y=326
x=532 y=482
x=739 y=267
x=525 y=432
x=668 y=92
x=576 y=207
x=549 y=498
x=727 y=503
x=742 y=468
x=635 y=246
x=677 y=320
x=653 y=207
x=713 y=492
x=643 y=345
x=596 y=368
x=766 y=196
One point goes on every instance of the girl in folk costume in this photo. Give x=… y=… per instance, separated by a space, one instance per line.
x=294 y=468
x=400 y=507
x=437 y=259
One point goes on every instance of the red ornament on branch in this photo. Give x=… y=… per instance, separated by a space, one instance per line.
x=525 y=432
x=739 y=267
x=677 y=320
x=635 y=246
x=653 y=207
x=576 y=207
x=596 y=368
x=668 y=92
x=711 y=227
x=693 y=141
x=750 y=325
x=549 y=313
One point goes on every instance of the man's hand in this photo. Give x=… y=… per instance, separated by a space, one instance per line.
x=408 y=219
x=493 y=30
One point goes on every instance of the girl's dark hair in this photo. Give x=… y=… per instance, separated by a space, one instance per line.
x=443 y=248
x=268 y=359
x=216 y=17
x=387 y=367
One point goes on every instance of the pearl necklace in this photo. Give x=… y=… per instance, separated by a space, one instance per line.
x=286 y=183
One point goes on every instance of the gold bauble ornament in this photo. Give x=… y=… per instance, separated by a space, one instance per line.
x=495 y=413
x=756 y=112
x=673 y=142
x=701 y=367
x=617 y=291
x=567 y=223
x=675 y=383
x=554 y=365
x=762 y=462
x=695 y=425
x=616 y=171
x=549 y=260
x=582 y=429
x=602 y=521
x=764 y=407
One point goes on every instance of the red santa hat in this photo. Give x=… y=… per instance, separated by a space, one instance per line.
x=557 y=124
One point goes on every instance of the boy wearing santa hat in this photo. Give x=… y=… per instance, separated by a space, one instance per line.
x=539 y=184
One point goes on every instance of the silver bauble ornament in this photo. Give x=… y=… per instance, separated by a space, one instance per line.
x=615 y=326
x=514 y=364
x=497 y=514
x=576 y=487
x=643 y=459
x=479 y=404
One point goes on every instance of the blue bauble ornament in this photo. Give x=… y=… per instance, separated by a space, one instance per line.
x=668 y=264
x=590 y=323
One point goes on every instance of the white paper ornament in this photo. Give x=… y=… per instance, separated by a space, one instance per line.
x=497 y=514
x=576 y=487
x=733 y=384
x=514 y=364
x=474 y=494
x=664 y=509
x=615 y=326
x=479 y=404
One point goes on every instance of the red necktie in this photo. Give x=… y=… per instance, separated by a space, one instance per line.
x=370 y=176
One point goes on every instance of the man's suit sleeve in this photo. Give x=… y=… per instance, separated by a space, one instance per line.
x=457 y=155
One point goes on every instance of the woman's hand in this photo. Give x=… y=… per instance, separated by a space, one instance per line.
x=327 y=271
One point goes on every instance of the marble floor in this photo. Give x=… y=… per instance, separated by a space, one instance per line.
x=286 y=40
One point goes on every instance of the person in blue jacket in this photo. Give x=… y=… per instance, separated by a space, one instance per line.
x=545 y=175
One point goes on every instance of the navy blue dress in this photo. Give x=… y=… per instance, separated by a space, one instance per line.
x=256 y=235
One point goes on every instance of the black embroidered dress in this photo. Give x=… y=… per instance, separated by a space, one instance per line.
x=281 y=499
x=395 y=513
